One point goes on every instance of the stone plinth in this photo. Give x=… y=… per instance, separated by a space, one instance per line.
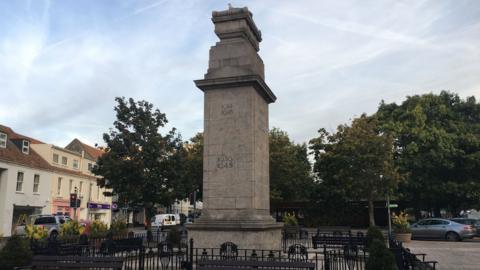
x=236 y=193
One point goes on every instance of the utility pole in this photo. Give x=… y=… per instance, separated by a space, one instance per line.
x=75 y=205
x=389 y=218
x=194 y=205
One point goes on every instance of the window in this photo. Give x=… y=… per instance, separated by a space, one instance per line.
x=45 y=220
x=70 y=185
x=424 y=222
x=36 y=183
x=80 y=188
x=25 y=147
x=3 y=140
x=90 y=166
x=98 y=192
x=90 y=192
x=435 y=222
x=75 y=164
x=59 y=185
x=64 y=161
x=20 y=181
x=55 y=158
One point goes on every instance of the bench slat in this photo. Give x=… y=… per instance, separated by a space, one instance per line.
x=77 y=258
x=76 y=262
x=279 y=264
x=62 y=265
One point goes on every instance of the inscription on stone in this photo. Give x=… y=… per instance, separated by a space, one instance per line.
x=224 y=162
x=227 y=109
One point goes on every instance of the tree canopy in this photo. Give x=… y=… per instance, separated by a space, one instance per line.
x=437 y=143
x=290 y=170
x=140 y=165
x=356 y=162
x=194 y=165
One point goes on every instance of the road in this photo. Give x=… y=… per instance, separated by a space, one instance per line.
x=450 y=255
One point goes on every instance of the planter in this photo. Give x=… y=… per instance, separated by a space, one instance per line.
x=403 y=237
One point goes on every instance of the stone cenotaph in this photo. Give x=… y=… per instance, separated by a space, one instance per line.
x=236 y=191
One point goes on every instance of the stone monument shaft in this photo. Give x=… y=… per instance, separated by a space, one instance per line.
x=236 y=155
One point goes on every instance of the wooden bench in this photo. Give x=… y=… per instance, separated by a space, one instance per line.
x=252 y=264
x=74 y=262
x=336 y=230
x=329 y=241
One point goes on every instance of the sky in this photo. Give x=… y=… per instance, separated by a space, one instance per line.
x=62 y=63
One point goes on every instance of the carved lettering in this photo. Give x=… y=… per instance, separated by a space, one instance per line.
x=227 y=109
x=224 y=162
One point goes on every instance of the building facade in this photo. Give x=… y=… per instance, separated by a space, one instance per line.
x=71 y=173
x=24 y=180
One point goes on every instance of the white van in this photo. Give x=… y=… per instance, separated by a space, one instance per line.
x=165 y=220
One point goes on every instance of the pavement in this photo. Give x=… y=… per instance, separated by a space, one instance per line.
x=450 y=255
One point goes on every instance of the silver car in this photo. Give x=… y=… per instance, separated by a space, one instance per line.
x=442 y=229
x=50 y=222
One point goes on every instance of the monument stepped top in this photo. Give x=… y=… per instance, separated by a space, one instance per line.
x=236 y=22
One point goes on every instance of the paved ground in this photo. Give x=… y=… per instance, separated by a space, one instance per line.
x=450 y=255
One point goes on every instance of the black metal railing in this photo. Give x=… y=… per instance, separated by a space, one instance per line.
x=348 y=258
x=139 y=251
x=406 y=260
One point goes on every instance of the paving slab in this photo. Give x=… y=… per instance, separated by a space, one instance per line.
x=450 y=255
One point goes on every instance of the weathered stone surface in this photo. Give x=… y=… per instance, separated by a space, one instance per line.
x=264 y=239
x=236 y=205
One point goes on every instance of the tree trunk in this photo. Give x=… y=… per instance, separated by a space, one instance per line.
x=148 y=216
x=371 y=212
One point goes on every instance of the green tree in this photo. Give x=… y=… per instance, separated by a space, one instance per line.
x=290 y=170
x=356 y=162
x=140 y=165
x=437 y=142
x=194 y=165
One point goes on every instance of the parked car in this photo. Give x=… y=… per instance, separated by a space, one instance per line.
x=50 y=222
x=165 y=220
x=437 y=228
x=469 y=221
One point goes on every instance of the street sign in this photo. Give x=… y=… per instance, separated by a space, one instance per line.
x=393 y=205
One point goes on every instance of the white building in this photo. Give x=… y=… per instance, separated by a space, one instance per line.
x=24 y=180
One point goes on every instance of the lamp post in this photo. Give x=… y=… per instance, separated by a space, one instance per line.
x=75 y=205
x=389 y=217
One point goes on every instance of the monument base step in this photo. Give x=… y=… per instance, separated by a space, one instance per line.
x=244 y=235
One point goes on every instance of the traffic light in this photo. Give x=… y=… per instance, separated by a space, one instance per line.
x=73 y=200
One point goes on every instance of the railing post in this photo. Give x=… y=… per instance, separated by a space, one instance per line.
x=141 y=258
x=326 y=259
x=189 y=264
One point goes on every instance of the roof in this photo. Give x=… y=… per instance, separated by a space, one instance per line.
x=90 y=151
x=16 y=136
x=71 y=172
x=13 y=154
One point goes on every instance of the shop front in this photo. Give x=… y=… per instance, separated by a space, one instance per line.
x=22 y=214
x=62 y=207
x=99 y=211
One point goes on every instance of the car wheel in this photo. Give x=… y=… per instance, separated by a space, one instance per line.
x=452 y=236
x=53 y=234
